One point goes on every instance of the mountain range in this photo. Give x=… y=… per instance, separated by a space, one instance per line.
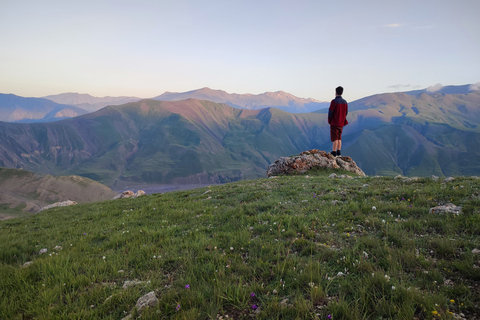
x=67 y=105
x=279 y=100
x=14 y=108
x=199 y=141
x=88 y=102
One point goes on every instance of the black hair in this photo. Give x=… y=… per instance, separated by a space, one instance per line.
x=339 y=91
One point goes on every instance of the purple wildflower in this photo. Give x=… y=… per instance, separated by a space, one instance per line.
x=252 y=294
x=178 y=307
x=329 y=316
x=254 y=307
x=187 y=286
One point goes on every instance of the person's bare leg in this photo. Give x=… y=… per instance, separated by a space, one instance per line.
x=339 y=145
x=335 y=145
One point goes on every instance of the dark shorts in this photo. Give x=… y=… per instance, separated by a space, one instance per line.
x=335 y=133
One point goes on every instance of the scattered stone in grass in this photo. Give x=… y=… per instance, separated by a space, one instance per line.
x=148 y=300
x=434 y=178
x=58 y=248
x=449 y=179
x=120 y=271
x=42 y=251
x=26 y=264
x=127 y=284
x=274 y=291
x=448 y=283
x=283 y=303
x=129 y=194
x=447 y=208
x=366 y=185
x=476 y=251
x=58 y=204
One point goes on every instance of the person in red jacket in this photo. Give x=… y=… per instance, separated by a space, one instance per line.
x=337 y=118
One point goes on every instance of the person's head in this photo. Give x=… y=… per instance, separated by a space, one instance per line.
x=339 y=91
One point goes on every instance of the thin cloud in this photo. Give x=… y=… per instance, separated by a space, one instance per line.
x=393 y=25
x=434 y=88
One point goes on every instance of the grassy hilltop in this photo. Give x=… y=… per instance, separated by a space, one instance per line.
x=290 y=247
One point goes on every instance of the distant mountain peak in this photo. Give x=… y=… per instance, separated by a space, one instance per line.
x=87 y=101
x=278 y=99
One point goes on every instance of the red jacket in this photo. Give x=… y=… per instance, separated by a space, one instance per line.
x=337 y=113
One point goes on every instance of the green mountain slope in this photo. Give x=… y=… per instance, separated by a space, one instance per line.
x=194 y=141
x=421 y=134
x=161 y=142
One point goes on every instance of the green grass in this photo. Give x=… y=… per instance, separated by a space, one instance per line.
x=306 y=246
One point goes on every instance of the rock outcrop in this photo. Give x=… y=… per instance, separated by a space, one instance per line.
x=130 y=194
x=447 y=208
x=312 y=159
x=58 y=204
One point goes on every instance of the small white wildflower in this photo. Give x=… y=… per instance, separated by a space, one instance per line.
x=231 y=248
x=393 y=288
x=154 y=257
x=383 y=221
x=104 y=257
x=387 y=277
x=374 y=208
x=311 y=284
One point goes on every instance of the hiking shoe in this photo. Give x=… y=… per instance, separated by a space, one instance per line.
x=333 y=153
x=338 y=153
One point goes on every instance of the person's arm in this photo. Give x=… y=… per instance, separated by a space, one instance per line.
x=330 y=112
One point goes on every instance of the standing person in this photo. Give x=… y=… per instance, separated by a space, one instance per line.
x=337 y=118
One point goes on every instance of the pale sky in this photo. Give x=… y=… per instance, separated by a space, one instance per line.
x=144 y=47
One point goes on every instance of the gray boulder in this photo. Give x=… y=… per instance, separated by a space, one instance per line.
x=312 y=159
